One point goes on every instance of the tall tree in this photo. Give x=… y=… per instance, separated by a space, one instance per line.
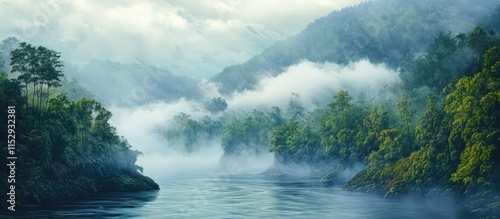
x=339 y=131
x=406 y=115
x=295 y=109
x=39 y=67
x=475 y=107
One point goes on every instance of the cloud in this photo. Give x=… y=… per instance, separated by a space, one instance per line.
x=138 y=126
x=315 y=83
x=186 y=37
x=161 y=159
x=137 y=123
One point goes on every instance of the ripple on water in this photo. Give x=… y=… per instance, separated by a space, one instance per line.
x=240 y=196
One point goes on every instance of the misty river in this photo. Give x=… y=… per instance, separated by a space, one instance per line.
x=243 y=196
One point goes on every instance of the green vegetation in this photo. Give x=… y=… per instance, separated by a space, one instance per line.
x=441 y=137
x=450 y=147
x=187 y=134
x=456 y=143
x=64 y=148
x=216 y=105
x=250 y=133
x=380 y=31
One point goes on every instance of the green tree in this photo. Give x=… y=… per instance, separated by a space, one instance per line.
x=339 y=131
x=39 y=67
x=430 y=165
x=367 y=138
x=480 y=40
x=282 y=141
x=216 y=105
x=444 y=62
x=406 y=114
x=390 y=151
x=295 y=109
x=475 y=107
x=251 y=133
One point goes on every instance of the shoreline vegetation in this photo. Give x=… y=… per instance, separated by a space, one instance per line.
x=64 y=148
x=435 y=133
x=450 y=150
x=439 y=137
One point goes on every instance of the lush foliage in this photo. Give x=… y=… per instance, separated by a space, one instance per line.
x=65 y=148
x=251 y=133
x=187 y=134
x=452 y=143
x=456 y=140
x=380 y=31
x=441 y=136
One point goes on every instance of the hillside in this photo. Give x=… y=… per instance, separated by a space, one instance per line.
x=381 y=31
x=58 y=148
x=132 y=83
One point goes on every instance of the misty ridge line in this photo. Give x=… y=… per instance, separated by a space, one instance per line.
x=233 y=103
x=399 y=132
x=143 y=125
x=153 y=78
x=360 y=32
x=357 y=106
x=127 y=75
x=88 y=24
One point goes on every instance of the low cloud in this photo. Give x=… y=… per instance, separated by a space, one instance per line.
x=196 y=39
x=316 y=83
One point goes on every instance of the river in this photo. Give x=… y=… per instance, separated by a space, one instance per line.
x=242 y=196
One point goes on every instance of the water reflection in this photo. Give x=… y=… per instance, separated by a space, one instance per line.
x=108 y=205
x=241 y=196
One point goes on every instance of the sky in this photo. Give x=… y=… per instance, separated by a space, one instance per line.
x=192 y=38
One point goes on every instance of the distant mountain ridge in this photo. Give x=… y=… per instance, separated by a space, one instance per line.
x=124 y=84
x=132 y=83
x=380 y=31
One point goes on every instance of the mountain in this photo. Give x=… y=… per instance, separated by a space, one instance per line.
x=126 y=84
x=131 y=84
x=380 y=31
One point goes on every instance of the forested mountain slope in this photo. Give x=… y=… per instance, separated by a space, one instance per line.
x=381 y=31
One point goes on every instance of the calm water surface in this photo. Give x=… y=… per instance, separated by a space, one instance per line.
x=242 y=196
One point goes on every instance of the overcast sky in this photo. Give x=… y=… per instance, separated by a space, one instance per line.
x=195 y=38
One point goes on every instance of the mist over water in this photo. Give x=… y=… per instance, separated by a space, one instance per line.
x=138 y=125
x=314 y=82
x=169 y=74
x=162 y=159
x=204 y=183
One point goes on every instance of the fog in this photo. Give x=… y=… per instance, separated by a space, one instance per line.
x=316 y=83
x=161 y=159
x=124 y=50
x=108 y=46
x=150 y=61
x=196 y=39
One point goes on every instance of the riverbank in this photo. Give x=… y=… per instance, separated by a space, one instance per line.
x=473 y=204
x=87 y=181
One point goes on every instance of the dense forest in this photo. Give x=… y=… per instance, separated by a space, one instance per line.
x=65 y=147
x=440 y=138
x=380 y=31
x=437 y=136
